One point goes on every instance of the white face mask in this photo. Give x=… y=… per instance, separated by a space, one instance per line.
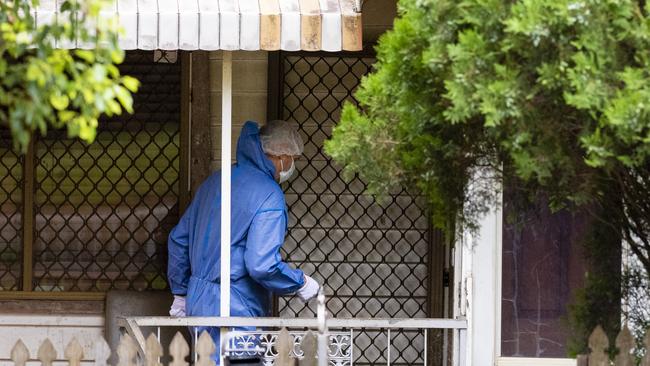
x=284 y=176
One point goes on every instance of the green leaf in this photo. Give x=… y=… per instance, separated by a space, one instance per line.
x=99 y=73
x=59 y=102
x=86 y=55
x=41 y=86
x=66 y=116
x=130 y=83
x=125 y=98
x=65 y=6
x=117 y=56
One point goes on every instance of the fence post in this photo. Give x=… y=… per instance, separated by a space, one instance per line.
x=205 y=348
x=309 y=348
x=598 y=343
x=102 y=352
x=582 y=360
x=126 y=351
x=46 y=353
x=153 y=350
x=74 y=353
x=284 y=345
x=323 y=338
x=625 y=345
x=179 y=349
x=19 y=354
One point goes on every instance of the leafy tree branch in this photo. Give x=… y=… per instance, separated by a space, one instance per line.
x=42 y=86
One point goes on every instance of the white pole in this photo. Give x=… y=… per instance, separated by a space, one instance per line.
x=226 y=132
x=388 y=357
x=426 y=346
x=323 y=335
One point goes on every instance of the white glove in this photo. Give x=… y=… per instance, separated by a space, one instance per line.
x=309 y=290
x=178 y=307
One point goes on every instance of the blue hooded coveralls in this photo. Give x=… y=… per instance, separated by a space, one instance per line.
x=258 y=227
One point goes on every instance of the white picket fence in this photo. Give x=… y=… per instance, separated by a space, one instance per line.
x=340 y=333
x=331 y=345
x=625 y=345
x=178 y=349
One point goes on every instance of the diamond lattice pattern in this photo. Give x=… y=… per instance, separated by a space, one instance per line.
x=103 y=210
x=11 y=196
x=372 y=258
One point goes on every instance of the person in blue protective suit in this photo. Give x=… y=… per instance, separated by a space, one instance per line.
x=265 y=158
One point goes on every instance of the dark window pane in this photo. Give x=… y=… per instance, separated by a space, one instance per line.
x=11 y=196
x=542 y=266
x=103 y=210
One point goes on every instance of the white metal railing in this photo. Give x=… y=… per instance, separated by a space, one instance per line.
x=264 y=344
x=330 y=331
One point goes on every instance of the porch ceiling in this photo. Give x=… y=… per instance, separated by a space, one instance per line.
x=290 y=25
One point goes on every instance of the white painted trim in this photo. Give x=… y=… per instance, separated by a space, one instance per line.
x=382 y=323
x=459 y=304
x=518 y=361
x=9 y=320
x=290 y=25
x=216 y=24
x=331 y=33
x=33 y=329
x=168 y=24
x=466 y=297
x=147 y=24
x=498 y=274
x=229 y=23
x=249 y=37
x=479 y=295
x=127 y=13
x=226 y=141
x=188 y=25
x=9 y=362
x=209 y=25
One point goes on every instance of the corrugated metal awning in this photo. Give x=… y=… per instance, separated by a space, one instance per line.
x=290 y=25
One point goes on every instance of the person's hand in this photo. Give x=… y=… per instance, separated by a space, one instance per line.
x=309 y=290
x=178 y=307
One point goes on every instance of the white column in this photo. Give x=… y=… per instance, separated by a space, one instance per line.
x=479 y=288
x=226 y=139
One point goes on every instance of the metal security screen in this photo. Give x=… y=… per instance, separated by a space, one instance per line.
x=11 y=192
x=372 y=258
x=101 y=211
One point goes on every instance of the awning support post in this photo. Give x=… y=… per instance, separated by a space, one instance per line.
x=226 y=140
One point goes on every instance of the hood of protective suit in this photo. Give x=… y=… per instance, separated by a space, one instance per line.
x=249 y=149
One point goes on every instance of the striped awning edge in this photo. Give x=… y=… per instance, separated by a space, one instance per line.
x=289 y=25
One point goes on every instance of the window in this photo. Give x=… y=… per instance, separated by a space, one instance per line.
x=101 y=211
x=11 y=221
x=542 y=267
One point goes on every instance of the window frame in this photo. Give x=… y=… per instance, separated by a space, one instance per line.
x=26 y=291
